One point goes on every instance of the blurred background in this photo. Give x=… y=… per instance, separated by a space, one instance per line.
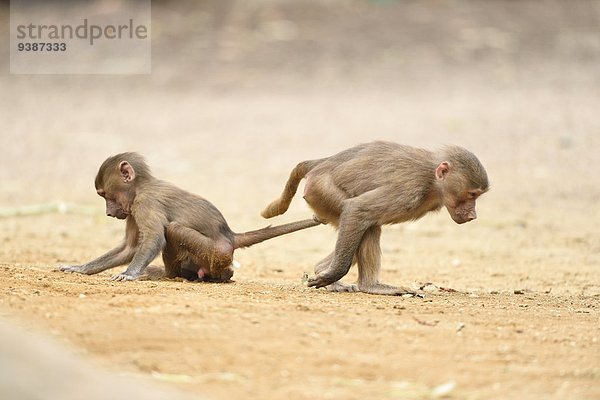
x=240 y=91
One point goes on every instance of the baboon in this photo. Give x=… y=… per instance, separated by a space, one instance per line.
x=195 y=240
x=362 y=188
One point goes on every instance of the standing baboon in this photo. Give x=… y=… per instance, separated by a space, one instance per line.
x=380 y=183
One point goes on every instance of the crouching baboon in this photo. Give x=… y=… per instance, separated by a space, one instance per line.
x=194 y=238
x=360 y=189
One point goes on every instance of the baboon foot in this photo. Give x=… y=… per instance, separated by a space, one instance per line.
x=342 y=287
x=383 y=289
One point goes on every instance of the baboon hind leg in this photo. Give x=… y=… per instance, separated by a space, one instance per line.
x=369 y=264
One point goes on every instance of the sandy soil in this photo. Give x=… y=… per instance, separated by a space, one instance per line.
x=513 y=299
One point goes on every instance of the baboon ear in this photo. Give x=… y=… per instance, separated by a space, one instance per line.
x=442 y=170
x=127 y=171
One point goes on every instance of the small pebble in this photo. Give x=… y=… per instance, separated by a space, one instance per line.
x=304 y=278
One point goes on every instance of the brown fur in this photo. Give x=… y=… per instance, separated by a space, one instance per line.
x=195 y=240
x=379 y=183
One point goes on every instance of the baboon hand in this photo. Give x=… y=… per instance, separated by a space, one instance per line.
x=72 y=269
x=324 y=279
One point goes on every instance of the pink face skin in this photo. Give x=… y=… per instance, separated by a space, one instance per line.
x=464 y=210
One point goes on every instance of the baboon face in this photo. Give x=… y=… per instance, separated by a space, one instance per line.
x=462 y=208
x=460 y=187
x=113 y=206
x=117 y=187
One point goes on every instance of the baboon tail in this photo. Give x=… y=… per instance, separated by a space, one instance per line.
x=247 y=239
x=279 y=206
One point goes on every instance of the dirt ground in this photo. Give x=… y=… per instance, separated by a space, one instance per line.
x=512 y=306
